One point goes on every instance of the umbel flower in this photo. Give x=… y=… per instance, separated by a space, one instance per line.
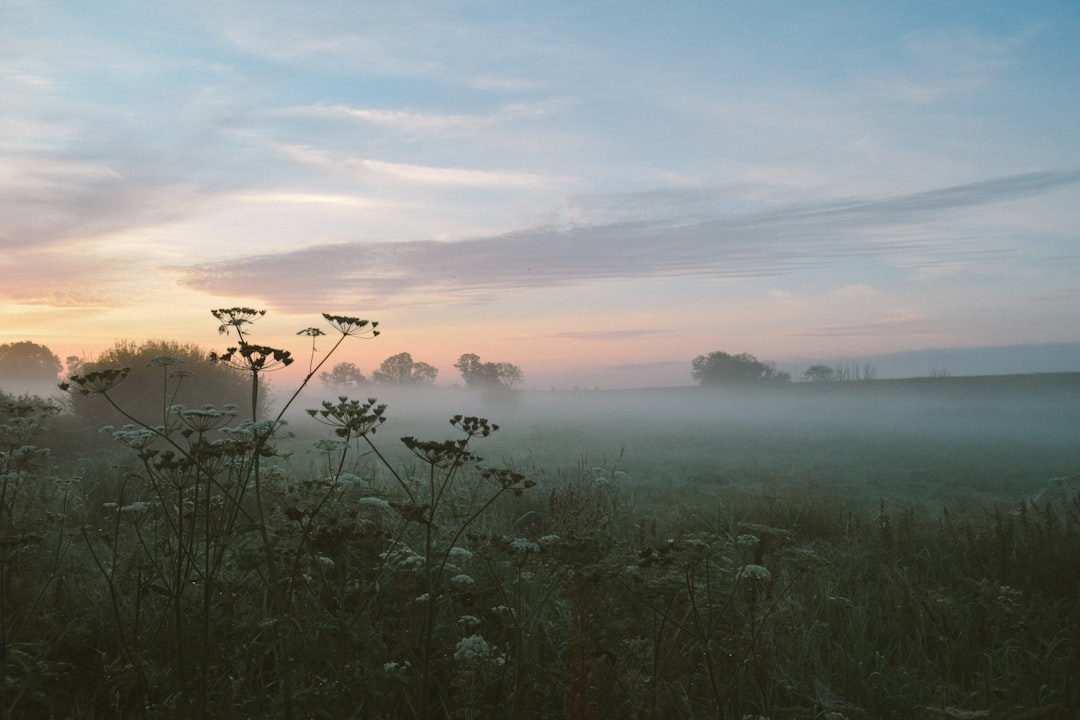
x=254 y=358
x=352 y=326
x=235 y=318
x=94 y=383
x=350 y=418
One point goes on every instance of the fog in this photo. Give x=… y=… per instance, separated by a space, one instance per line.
x=997 y=434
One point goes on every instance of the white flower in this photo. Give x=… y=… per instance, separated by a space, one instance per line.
x=472 y=648
x=524 y=546
x=413 y=561
x=747 y=540
x=758 y=573
x=459 y=553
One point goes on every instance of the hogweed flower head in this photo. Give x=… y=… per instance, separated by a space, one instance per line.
x=439 y=453
x=472 y=425
x=475 y=649
x=206 y=418
x=236 y=318
x=351 y=418
x=254 y=358
x=94 y=383
x=352 y=326
x=508 y=479
x=754 y=573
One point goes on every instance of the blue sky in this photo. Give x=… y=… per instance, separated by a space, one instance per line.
x=586 y=189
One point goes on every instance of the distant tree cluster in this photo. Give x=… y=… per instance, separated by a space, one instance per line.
x=719 y=368
x=161 y=373
x=26 y=365
x=398 y=369
x=343 y=376
x=487 y=375
x=839 y=373
x=401 y=369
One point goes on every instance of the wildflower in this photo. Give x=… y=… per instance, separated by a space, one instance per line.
x=350 y=418
x=459 y=553
x=136 y=439
x=236 y=318
x=747 y=540
x=755 y=573
x=352 y=326
x=164 y=360
x=206 y=419
x=94 y=383
x=472 y=648
x=524 y=546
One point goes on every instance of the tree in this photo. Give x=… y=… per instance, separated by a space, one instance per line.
x=720 y=368
x=342 y=376
x=819 y=373
x=401 y=370
x=162 y=373
x=487 y=375
x=27 y=366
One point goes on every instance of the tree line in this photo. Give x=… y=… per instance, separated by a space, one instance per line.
x=165 y=373
x=721 y=368
x=401 y=369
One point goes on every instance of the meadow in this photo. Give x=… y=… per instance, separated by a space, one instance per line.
x=875 y=549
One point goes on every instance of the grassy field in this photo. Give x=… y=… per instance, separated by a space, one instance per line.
x=851 y=550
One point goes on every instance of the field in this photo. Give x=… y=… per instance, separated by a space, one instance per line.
x=877 y=549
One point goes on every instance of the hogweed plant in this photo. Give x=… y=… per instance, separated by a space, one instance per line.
x=434 y=501
x=205 y=480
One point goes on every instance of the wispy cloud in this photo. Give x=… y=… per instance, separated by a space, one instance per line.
x=423 y=174
x=768 y=243
x=897 y=320
x=605 y=335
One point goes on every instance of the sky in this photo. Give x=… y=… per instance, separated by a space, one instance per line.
x=595 y=191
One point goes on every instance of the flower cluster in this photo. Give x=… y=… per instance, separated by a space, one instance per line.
x=235 y=318
x=254 y=358
x=351 y=326
x=350 y=418
x=94 y=383
x=476 y=649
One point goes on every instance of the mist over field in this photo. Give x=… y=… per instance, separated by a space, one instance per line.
x=924 y=441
